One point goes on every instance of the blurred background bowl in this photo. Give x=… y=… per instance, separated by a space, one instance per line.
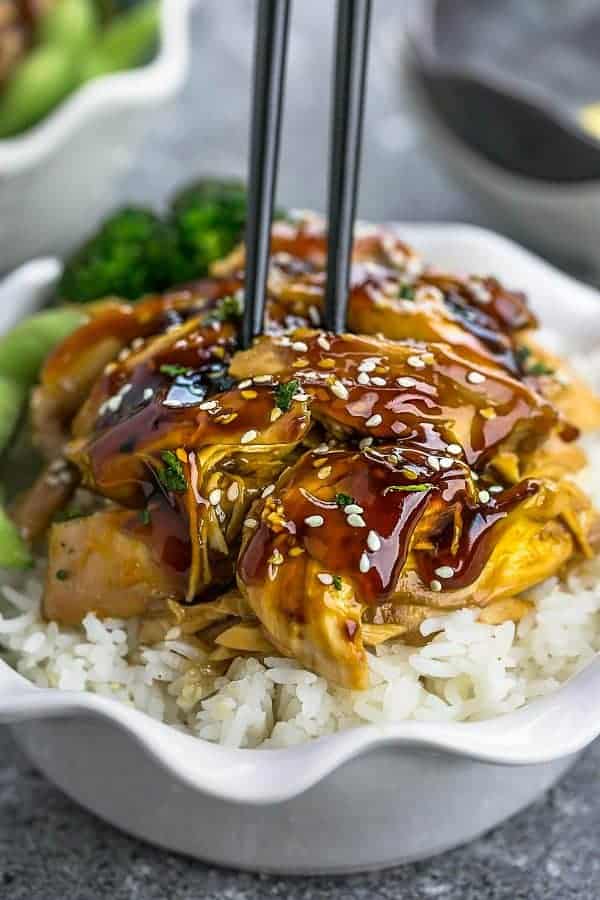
x=60 y=177
x=516 y=143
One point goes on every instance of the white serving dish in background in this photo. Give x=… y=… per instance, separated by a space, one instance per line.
x=60 y=177
x=360 y=799
x=558 y=219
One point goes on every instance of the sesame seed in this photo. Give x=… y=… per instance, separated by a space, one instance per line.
x=249 y=436
x=435 y=585
x=301 y=397
x=496 y=489
x=214 y=498
x=299 y=347
x=325 y=578
x=313 y=315
x=262 y=379
x=444 y=572
x=484 y=496
x=314 y=521
x=374 y=421
x=276 y=413
x=475 y=377
x=340 y=390
x=406 y=381
x=323 y=473
x=137 y=343
x=322 y=448
x=268 y=491
x=363 y=378
x=378 y=381
x=434 y=463
x=114 y=403
x=454 y=449
x=250 y=523
x=233 y=491
x=368 y=365
x=364 y=443
x=364 y=564
x=474 y=475
x=356 y=521
x=323 y=342
x=148 y=394
x=415 y=362
x=245 y=384
x=373 y=541
x=277 y=557
x=208 y=405
x=353 y=508
x=123 y=355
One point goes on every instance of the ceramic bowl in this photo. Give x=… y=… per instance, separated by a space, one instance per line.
x=558 y=218
x=360 y=799
x=60 y=177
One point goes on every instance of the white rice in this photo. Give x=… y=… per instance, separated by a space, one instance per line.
x=468 y=671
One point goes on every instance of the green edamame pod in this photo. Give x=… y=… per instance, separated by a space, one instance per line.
x=37 y=85
x=125 y=42
x=12 y=398
x=71 y=24
x=24 y=349
x=14 y=552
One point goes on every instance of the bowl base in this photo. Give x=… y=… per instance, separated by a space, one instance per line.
x=393 y=806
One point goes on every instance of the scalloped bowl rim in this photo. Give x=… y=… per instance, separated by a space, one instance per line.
x=142 y=86
x=546 y=729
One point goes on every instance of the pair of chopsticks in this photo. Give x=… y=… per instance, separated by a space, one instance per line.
x=351 y=46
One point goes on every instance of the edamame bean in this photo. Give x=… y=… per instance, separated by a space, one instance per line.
x=24 y=349
x=38 y=83
x=71 y=24
x=12 y=397
x=125 y=42
x=14 y=552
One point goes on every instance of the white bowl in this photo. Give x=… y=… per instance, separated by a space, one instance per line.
x=558 y=219
x=363 y=798
x=60 y=177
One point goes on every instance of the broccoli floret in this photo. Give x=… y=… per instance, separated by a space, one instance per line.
x=208 y=219
x=129 y=256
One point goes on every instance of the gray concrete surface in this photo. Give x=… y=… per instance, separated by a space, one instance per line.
x=50 y=849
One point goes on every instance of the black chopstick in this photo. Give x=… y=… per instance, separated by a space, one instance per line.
x=269 y=70
x=351 y=51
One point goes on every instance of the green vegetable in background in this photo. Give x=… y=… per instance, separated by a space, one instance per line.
x=12 y=398
x=135 y=253
x=45 y=76
x=126 y=41
x=70 y=24
x=24 y=349
x=14 y=552
x=128 y=257
x=208 y=218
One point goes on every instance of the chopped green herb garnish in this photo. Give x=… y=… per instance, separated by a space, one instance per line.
x=228 y=310
x=536 y=367
x=172 y=474
x=62 y=574
x=344 y=499
x=337 y=582
x=65 y=515
x=409 y=488
x=406 y=292
x=173 y=370
x=540 y=368
x=285 y=393
x=144 y=516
